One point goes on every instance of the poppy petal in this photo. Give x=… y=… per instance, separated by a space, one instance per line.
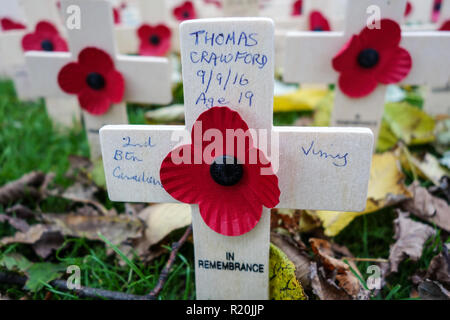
x=396 y=68
x=445 y=26
x=318 y=22
x=59 y=44
x=263 y=182
x=71 y=78
x=96 y=103
x=389 y=35
x=144 y=32
x=357 y=87
x=115 y=86
x=345 y=60
x=9 y=24
x=46 y=28
x=96 y=60
x=31 y=42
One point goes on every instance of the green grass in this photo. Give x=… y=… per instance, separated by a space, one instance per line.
x=29 y=142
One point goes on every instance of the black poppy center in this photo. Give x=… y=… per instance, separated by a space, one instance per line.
x=186 y=14
x=95 y=81
x=318 y=29
x=437 y=6
x=154 y=39
x=226 y=171
x=368 y=58
x=47 y=45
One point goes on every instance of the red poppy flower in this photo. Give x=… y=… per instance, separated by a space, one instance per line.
x=230 y=187
x=94 y=80
x=297 y=7
x=318 y=22
x=116 y=14
x=45 y=38
x=185 y=11
x=9 y=24
x=154 y=41
x=445 y=26
x=408 y=8
x=371 y=57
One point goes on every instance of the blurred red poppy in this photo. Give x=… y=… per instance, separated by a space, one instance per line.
x=185 y=11
x=8 y=24
x=371 y=57
x=318 y=22
x=94 y=80
x=154 y=40
x=297 y=7
x=45 y=38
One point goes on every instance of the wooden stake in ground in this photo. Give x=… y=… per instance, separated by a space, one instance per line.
x=309 y=60
x=147 y=79
x=317 y=168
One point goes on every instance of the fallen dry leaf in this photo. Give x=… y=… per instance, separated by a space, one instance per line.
x=386 y=188
x=49 y=236
x=439 y=268
x=429 y=168
x=27 y=186
x=337 y=268
x=296 y=255
x=162 y=219
x=428 y=207
x=433 y=290
x=17 y=223
x=410 y=238
x=324 y=288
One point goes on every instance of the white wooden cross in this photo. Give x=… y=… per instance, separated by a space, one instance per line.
x=11 y=49
x=437 y=99
x=147 y=79
x=309 y=55
x=317 y=168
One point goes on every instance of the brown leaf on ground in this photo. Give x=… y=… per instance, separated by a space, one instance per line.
x=323 y=288
x=293 y=221
x=428 y=207
x=410 y=238
x=17 y=223
x=49 y=236
x=21 y=211
x=439 y=268
x=27 y=186
x=442 y=189
x=31 y=236
x=116 y=228
x=296 y=254
x=433 y=290
x=337 y=269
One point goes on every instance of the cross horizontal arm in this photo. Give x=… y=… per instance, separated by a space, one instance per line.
x=43 y=68
x=308 y=56
x=319 y=168
x=147 y=78
x=430 y=54
x=323 y=167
